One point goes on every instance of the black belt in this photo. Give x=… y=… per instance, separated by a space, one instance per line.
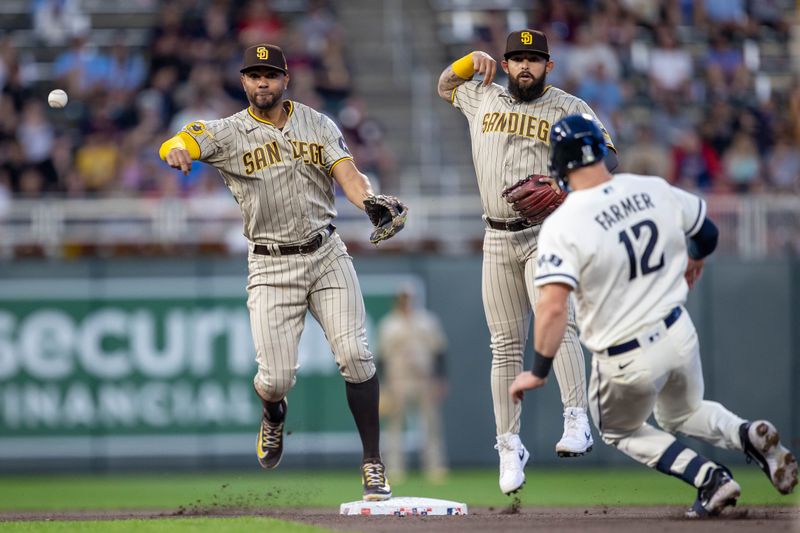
x=292 y=249
x=518 y=224
x=619 y=349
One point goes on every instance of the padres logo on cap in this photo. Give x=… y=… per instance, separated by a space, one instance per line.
x=262 y=53
x=526 y=37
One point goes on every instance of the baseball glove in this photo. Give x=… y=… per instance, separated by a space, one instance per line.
x=534 y=198
x=388 y=215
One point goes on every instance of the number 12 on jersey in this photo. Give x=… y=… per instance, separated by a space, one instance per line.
x=645 y=261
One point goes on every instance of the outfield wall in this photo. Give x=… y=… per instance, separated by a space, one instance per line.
x=108 y=364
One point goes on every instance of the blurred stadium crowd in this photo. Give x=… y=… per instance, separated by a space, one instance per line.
x=699 y=91
x=125 y=99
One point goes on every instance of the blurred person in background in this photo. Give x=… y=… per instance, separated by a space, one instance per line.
x=783 y=163
x=742 y=164
x=695 y=165
x=36 y=136
x=82 y=68
x=56 y=21
x=96 y=161
x=670 y=69
x=411 y=348
x=645 y=156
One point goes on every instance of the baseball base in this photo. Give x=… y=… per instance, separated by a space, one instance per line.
x=405 y=506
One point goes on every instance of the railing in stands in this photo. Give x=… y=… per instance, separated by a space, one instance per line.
x=751 y=226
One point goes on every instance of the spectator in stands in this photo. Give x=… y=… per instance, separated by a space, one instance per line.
x=646 y=156
x=742 y=164
x=97 y=162
x=127 y=68
x=334 y=82
x=783 y=163
x=31 y=184
x=13 y=163
x=365 y=138
x=55 y=22
x=726 y=14
x=81 y=68
x=723 y=56
x=670 y=70
x=590 y=50
x=258 y=23
x=599 y=91
x=36 y=136
x=695 y=165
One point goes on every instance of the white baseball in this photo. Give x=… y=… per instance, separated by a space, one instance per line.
x=57 y=99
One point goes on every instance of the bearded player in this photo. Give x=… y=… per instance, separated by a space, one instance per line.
x=510 y=129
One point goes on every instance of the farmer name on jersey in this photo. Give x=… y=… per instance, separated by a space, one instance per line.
x=269 y=154
x=613 y=214
x=514 y=123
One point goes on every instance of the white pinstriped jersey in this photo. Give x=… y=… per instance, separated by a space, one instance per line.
x=511 y=139
x=622 y=246
x=281 y=178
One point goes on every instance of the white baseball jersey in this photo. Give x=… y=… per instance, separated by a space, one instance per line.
x=622 y=246
x=281 y=178
x=510 y=138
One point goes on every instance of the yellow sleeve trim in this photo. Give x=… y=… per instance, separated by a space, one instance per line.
x=464 y=68
x=345 y=158
x=183 y=141
x=453 y=96
x=191 y=144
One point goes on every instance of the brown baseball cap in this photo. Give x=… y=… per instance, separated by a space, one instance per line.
x=527 y=41
x=264 y=55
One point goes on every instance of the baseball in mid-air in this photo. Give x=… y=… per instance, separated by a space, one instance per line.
x=57 y=99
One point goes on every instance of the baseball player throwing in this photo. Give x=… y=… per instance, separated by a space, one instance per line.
x=510 y=130
x=621 y=244
x=279 y=159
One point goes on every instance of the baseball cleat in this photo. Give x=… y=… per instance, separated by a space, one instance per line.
x=373 y=479
x=513 y=457
x=269 y=447
x=577 y=438
x=761 y=443
x=718 y=492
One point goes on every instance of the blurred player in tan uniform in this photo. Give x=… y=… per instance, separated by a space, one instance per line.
x=630 y=247
x=411 y=345
x=279 y=159
x=510 y=131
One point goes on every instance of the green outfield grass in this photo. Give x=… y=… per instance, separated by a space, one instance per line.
x=174 y=525
x=568 y=486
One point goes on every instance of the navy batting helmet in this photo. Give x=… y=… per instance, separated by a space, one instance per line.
x=575 y=141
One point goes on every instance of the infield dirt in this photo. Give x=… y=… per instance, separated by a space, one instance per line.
x=511 y=519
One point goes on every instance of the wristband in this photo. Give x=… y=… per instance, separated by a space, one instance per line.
x=541 y=365
x=464 y=68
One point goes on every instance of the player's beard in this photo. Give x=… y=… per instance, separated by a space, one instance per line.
x=527 y=93
x=267 y=101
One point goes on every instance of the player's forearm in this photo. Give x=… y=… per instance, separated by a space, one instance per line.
x=181 y=141
x=448 y=81
x=549 y=325
x=356 y=187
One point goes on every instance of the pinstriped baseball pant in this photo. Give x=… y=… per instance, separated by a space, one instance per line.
x=509 y=267
x=279 y=292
